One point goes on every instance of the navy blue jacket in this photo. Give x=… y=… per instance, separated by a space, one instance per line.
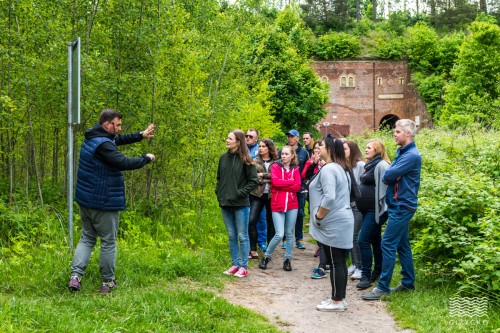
x=403 y=178
x=99 y=183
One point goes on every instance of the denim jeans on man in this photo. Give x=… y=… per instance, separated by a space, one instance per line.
x=236 y=221
x=370 y=244
x=397 y=238
x=284 y=223
x=97 y=223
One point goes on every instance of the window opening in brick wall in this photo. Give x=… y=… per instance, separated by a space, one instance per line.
x=401 y=80
x=379 y=81
x=343 y=81
x=350 y=81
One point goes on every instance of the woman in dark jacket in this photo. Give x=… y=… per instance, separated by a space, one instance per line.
x=260 y=195
x=236 y=178
x=374 y=209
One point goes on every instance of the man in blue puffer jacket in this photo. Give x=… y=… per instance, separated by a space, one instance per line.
x=403 y=180
x=100 y=192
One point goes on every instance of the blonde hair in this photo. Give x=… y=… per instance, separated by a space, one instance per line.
x=294 y=160
x=379 y=148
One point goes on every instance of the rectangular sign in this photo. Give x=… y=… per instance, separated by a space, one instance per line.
x=75 y=82
x=391 y=96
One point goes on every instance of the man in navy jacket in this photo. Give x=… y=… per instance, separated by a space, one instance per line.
x=403 y=180
x=100 y=192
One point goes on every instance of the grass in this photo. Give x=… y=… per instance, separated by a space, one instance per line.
x=427 y=309
x=171 y=285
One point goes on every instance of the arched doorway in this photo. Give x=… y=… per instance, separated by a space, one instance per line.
x=388 y=122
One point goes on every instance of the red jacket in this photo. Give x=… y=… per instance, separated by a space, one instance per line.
x=284 y=187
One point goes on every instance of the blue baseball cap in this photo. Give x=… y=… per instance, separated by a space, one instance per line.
x=293 y=132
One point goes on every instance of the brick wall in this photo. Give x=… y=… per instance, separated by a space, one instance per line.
x=363 y=92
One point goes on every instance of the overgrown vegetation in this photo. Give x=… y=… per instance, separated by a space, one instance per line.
x=198 y=69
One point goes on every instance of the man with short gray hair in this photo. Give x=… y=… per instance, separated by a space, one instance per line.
x=403 y=180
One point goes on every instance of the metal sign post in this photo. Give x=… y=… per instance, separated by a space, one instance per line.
x=73 y=119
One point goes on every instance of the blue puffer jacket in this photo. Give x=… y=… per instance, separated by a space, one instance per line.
x=403 y=178
x=98 y=186
x=99 y=183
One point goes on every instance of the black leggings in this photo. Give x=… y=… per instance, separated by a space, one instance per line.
x=256 y=206
x=337 y=258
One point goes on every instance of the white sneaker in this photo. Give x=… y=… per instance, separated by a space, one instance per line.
x=346 y=305
x=331 y=306
x=356 y=275
x=350 y=270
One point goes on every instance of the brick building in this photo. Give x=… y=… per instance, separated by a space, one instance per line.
x=367 y=94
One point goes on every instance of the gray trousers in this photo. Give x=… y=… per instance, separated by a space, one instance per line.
x=97 y=223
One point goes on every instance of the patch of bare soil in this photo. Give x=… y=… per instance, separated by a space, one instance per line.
x=289 y=299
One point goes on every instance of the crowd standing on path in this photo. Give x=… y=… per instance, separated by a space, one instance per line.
x=324 y=172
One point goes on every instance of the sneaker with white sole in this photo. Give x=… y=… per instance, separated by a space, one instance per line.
x=329 y=305
x=346 y=305
x=232 y=270
x=356 y=275
x=351 y=270
x=241 y=273
x=74 y=283
x=108 y=286
x=319 y=273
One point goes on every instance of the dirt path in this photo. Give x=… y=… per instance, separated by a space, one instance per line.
x=289 y=299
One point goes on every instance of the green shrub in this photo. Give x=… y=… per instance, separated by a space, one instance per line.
x=336 y=46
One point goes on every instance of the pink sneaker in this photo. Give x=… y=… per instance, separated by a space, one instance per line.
x=232 y=270
x=242 y=272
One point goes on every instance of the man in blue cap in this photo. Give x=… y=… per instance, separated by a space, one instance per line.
x=293 y=141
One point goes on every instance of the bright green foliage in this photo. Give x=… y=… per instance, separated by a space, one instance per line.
x=422 y=47
x=456 y=230
x=431 y=89
x=390 y=47
x=334 y=46
x=474 y=93
x=298 y=94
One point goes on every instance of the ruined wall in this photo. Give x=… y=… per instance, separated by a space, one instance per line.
x=363 y=92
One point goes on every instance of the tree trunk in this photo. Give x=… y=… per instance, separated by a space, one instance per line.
x=358 y=11
x=374 y=4
x=482 y=6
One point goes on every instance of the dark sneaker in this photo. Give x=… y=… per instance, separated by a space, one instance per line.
x=364 y=283
x=263 y=262
x=374 y=295
x=402 y=288
x=287 y=266
x=319 y=273
x=107 y=287
x=74 y=283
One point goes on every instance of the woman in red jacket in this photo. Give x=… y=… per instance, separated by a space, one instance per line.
x=285 y=183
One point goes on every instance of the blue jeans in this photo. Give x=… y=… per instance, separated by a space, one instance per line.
x=369 y=244
x=262 y=228
x=284 y=223
x=97 y=223
x=397 y=239
x=358 y=222
x=299 y=223
x=236 y=221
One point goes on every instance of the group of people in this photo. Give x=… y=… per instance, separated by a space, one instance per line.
x=350 y=199
x=262 y=193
